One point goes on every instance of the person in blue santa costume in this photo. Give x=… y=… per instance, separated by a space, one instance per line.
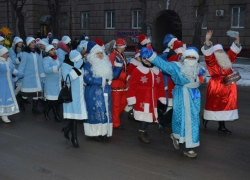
x=64 y=47
x=187 y=76
x=31 y=67
x=8 y=102
x=55 y=43
x=98 y=75
x=52 y=69
x=75 y=110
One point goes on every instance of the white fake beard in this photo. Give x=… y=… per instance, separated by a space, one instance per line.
x=101 y=67
x=190 y=69
x=223 y=60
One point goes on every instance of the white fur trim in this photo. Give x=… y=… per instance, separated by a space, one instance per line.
x=49 y=47
x=146 y=107
x=230 y=115
x=55 y=69
x=207 y=52
x=156 y=70
x=75 y=116
x=73 y=74
x=77 y=58
x=50 y=97
x=235 y=48
x=67 y=40
x=96 y=49
x=44 y=43
x=15 y=71
x=143 y=69
x=183 y=140
x=18 y=40
x=166 y=50
x=142 y=116
x=118 y=64
x=131 y=100
x=152 y=57
x=31 y=39
x=137 y=55
x=121 y=46
x=3 y=51
x=190 y=52
x=145 y=41
x=217 y=47
x=135 y=62
x=42 y=75
x=103 y=82
x=172 y=42
x=170 y=102
x=163 y=100
x=98 y=129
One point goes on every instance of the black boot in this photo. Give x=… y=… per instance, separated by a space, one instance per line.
x=67 y=129
x=34 y=107
x=21 y=104
x=47 y=109
x=205 y=123
x=56 y=114
x=222 y=127
x=74 y=135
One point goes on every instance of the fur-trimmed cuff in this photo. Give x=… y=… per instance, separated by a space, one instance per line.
x=163 y=100
x=55 y=69
x=42 y=75
x=15 y=71
x=118 y=64
x=103 y=82
x=152 y=57
x=73 y=74
x=207 y=52
x=131 y=100
x=17 y=61
x=170 y=102
x=235 y=48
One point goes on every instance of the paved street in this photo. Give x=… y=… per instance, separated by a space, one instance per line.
x=32 y=148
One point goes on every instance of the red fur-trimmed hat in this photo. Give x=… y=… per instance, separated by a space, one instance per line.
x=137 y=53
x=120 y=43
x=177 y=44
x=143 y=39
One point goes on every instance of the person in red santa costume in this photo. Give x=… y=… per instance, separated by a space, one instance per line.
x=221 y=100
x=144 y=41
x=136 y=61
x=119 y=86
x=146 y=86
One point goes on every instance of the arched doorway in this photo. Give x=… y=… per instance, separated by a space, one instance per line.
x=166 y=22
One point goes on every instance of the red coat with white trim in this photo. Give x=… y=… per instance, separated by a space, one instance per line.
x=146 y=86
x=221 y=100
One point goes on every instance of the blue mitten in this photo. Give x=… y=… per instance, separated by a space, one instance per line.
x=146 y=53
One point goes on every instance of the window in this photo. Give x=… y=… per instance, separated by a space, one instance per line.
x=204 y=22
x=238 y=17
x=85 y=20
x=136 y=19
x=110 y=20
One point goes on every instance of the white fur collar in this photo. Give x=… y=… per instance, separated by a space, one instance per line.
x=2 y=59
x=145 y=70
x=135 y=62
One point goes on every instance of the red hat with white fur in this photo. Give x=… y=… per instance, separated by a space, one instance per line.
x=177 y=44
x=143 y=39
x=217 y=47
x=137 y=53
x=120 y=43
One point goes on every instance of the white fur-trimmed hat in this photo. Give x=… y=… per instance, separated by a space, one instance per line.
x=44 y=41
x=49 y=47
x=75 y=56
x=3 y=50
x=55 y=41
x=66 y=39
x=191 y=51
x=1 y=38
x=17 y=40
x=29 y=40
x=217 y=47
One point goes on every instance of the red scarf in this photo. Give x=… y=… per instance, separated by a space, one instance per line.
x=54 y=57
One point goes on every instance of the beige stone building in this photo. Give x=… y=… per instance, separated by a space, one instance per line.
x=110 y=19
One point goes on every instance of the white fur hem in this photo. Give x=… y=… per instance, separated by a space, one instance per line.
x=142 y=116
x=118 y=64
x=207 y=52
x=103 y=82
x=235 y=48
x=183 y=140
x=49 y=97
x=42 y=75
x=73 y=74
x=170 y=102
x=98 y=129
x=131 y=100
x=55 y=69
x=230 y=115
x=31 y=90
x=75 y=116
x=152 y=57
x=163 y=100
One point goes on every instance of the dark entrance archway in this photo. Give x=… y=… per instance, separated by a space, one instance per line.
x=166 y=22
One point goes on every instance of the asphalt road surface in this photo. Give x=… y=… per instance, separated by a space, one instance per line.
x=32 y=148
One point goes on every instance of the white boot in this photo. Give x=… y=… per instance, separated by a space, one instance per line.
x=5 y=119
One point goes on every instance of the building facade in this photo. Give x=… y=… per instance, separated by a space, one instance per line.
x=110 y=19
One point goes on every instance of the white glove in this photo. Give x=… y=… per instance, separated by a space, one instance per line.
x=232 y=34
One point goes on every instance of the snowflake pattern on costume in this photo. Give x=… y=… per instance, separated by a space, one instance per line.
x=144 y=79
x=98 y=103
x=98 y=92
x=86 y=72
x=158 y=79
x=142 y=105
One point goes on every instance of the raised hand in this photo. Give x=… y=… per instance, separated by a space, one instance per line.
x=237 y=38
x=208 y=37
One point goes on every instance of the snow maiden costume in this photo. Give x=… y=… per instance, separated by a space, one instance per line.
x=98 y=74
x=75 y=110
x=63 y=48
x=187 y=76
x=8 y=102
